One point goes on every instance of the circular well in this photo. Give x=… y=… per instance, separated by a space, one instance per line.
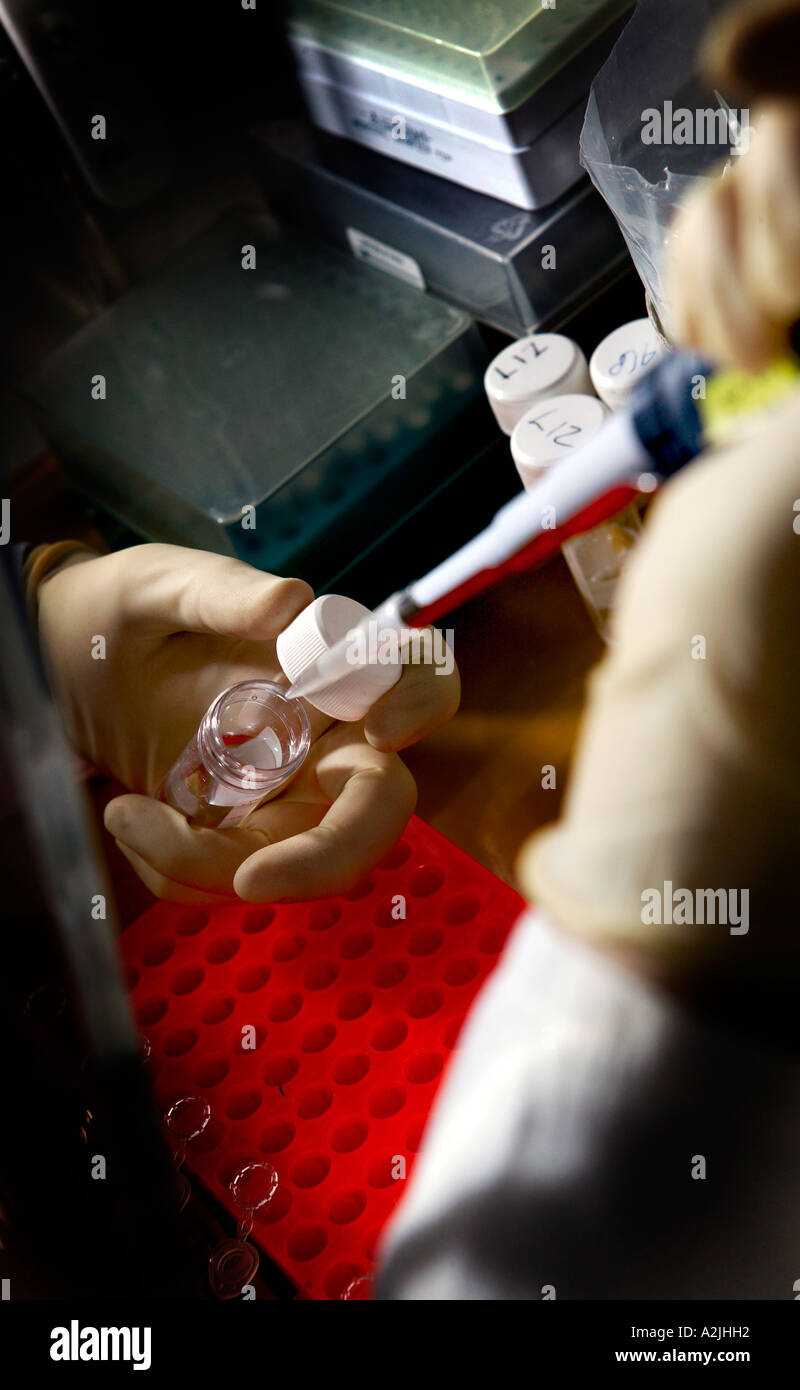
x=254 y=977
x=221 y=949
x=361 y=889
x=151 y=1011
x=211 y=1072
x=280 y=1070
x=310 y=1170
x=257 y=919
x=425 y=940
x=424 y=1067
x=156 y=952
x=462 y=907
x=191 y=921
x=323 y=916
x=351 y=1069
x=285 y=1006
x=398 y=855
x=424 y=1003
x=314 y=1102
x=277 y=1136
x=460 y=970
x=355 y=944
x=180 y=1042
x=389 y=973
x=389 y=1034
x=187 y=980
x=241 y=1104
x=425 y=880
x=346 y=1138
x=354 y=1003
x=306 y=1243
x=217 y=1010
x=346 y=1207
x=321 y=974
x=387 y=1101
x=318 y=1038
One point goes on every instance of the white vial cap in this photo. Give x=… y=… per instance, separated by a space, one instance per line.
x=544 y=364
x=552 y=430
x=314 y=631
x=622 y=359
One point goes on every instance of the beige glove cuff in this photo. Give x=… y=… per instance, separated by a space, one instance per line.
x=43 y=560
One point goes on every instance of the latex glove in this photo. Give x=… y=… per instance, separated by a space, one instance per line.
x=179 y=626
x=734 y=252
x=688 y=765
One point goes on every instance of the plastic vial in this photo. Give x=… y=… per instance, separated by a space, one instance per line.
x=533 y=369
x=548 y=433
x=596 y=559
x=233 y=1263
x=248 y=744
x=185 y=1119
x=620 y=361
x=551 y=430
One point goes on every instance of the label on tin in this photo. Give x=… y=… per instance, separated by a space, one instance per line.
x=377 y=253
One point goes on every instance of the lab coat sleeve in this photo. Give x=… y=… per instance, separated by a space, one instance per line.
x=590 y=1140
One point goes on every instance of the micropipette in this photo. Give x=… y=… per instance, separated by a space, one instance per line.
x=634 y=451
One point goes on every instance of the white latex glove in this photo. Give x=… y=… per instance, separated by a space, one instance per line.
x=180 y=626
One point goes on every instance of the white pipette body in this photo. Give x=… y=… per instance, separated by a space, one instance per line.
x=612 y=457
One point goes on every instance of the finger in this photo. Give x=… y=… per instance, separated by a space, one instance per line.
x=196 y=591
x=712 y=309
x=373 y=798
x=205 y=860
x=425 y=697
x=202 y=860
x=167 y=888
x=682 y=273
x=770 y=203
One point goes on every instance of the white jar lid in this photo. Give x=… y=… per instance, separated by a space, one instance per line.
x=541 y=365
x=552 y=430
x=314 y=631
x=622 y=359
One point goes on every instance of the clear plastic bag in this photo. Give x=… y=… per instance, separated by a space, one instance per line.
x=654 y=69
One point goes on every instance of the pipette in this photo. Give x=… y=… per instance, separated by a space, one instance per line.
x=634 y=451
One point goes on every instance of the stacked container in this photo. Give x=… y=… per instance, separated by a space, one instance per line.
x=491 y=96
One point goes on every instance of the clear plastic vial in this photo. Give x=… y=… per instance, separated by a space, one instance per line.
x=596 y=558
x=547 y=434
x=248 y=744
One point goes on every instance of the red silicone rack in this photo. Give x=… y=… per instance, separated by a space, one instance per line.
x=354 y=1005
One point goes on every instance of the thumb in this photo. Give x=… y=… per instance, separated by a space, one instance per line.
x=181 y=590
x=174 y=860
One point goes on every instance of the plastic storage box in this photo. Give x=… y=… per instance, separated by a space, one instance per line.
x=488 y=96
x=491 y=55
x=491 y=259
x=288 y=413
x=529 y=176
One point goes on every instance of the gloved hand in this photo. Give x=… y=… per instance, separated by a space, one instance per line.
x=734 y=253
x=734 y=257
x=687 y=771
x=178 y=627
x=687 y=776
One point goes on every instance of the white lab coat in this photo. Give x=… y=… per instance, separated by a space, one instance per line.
x=565 y=1153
